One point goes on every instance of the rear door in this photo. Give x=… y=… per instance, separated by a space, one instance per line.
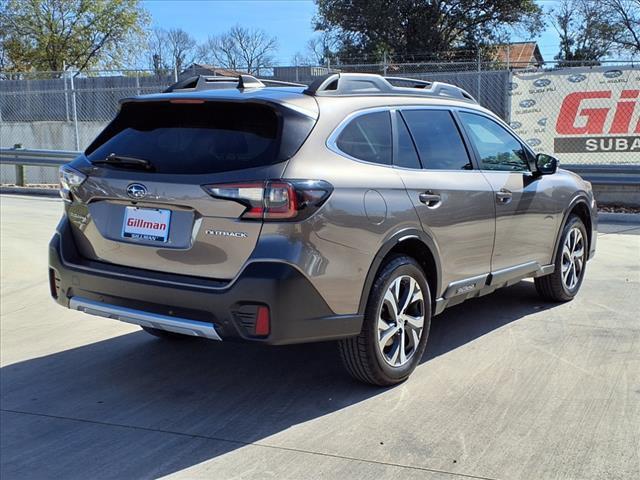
x=527 y=209
x=168 y=216
x=454 y=200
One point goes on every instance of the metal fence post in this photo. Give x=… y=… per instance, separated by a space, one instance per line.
x=479 y=82
x=66 y=94
x=384 y=63
x=75 y=111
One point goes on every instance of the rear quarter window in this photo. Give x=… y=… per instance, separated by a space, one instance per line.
x=368 y=137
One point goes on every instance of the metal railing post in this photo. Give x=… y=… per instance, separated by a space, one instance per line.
x=19 y=168
x=74 y=107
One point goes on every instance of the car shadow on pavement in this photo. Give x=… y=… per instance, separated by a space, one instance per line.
x=135 y=406
x=476 y=317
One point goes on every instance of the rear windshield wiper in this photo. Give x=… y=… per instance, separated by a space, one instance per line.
x=123 y=161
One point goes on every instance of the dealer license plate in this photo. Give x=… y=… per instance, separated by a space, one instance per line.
x=146 y=224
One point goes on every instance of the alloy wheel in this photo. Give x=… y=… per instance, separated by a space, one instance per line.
x=573 y=252
x=401 y=321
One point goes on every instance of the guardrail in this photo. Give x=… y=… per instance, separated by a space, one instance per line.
x=21 y=157
x=614 y=175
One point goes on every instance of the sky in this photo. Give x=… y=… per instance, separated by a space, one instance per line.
x=288 y=20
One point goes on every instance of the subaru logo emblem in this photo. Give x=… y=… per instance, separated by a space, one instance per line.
x=534 y=142
x=513 y=86
x=612 y=73
x=527 y=103
x=515 y=125
x=542 y=122
x=136 y=190
x=576 y=78
x=542 y=82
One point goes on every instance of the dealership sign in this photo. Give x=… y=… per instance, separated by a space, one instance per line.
x=588 y=114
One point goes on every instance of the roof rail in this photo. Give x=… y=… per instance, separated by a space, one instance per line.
x=207 y=82
x=344 y=84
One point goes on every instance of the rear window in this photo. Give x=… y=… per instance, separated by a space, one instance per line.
x=210 y=137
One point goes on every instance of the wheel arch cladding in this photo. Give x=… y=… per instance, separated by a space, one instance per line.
x=581 y=210
x=579 y=206
x=413 y=244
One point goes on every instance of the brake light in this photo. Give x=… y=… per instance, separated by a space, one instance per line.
x=275 y=200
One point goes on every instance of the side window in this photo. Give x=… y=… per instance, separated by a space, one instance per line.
x=368 y=137
x=407 y=156
x=498 y=149
x=438 y=140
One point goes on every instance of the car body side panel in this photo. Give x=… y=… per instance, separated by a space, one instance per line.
x=527 y=227
x=462 y=224
x=336 y=247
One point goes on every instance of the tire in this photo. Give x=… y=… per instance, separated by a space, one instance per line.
x=362 y=356
x=165 y=335
x=554 y=287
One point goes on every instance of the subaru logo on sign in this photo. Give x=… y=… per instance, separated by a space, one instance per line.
x=534 y=142
x=527 y=103
x=543 y=122
x=136 y=190
x=612 y=73
x=513 y=86
x=576 y=78
x=543 y=82
x=515 y=125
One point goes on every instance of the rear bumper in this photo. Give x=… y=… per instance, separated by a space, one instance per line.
x=196 y=306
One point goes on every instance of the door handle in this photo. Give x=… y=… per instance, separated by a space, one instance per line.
x=503 y=196
x=430 y=199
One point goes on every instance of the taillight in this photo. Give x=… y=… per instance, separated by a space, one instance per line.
x=275 y=200
x=69 y=179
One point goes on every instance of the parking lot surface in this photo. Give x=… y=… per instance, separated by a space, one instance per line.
x=511 y=387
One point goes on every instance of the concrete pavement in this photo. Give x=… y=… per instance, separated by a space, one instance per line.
x=511 y=387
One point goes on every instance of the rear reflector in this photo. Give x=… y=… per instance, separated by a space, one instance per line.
x=53 y=284
x=262 y=322
x=275 y=200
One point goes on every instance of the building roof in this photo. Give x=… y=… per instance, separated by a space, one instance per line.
x=204 y=69
x=519 y=55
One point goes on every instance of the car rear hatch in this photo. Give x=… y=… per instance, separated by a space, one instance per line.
x=147 y=201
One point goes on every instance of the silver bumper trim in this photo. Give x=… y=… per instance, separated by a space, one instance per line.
x=145 y=319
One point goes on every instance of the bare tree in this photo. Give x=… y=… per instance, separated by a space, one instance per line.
x=300 y=59
x=322 y=48
x=182 y=48
x=626 y=13
x=220 y=50
x=240 y=48
x=255 y=47
x=158 y=52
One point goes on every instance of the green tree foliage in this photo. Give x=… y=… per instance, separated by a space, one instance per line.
x=47 y=34
x=404 y=28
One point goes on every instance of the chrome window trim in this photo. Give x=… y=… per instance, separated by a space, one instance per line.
x=332 y=140
x=504 y=125
x=332 y=145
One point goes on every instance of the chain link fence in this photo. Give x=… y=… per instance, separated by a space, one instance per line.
x=585 y=115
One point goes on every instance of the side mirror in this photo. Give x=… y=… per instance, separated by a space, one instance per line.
x=546 y=164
